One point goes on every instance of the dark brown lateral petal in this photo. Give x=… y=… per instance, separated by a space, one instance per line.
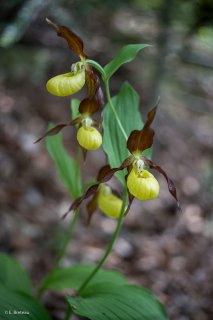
x=91 y=207
x=140 y=140
x=88 y=105
x=90 y=191
x=131 y=198
x=106 y=172
x=100 y=97
x=74 y=42
x=58 y=128
x=170 y=183
x=92 y=81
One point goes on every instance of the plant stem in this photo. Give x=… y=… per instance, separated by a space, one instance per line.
x=101 y=70
x=113 y=110
x=67 y=239
x=109 y=247
x=68 y=313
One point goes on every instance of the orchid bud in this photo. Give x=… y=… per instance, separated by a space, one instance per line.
x=89 y=138
x=108 y=203
x=142 y=185
x=67 y=83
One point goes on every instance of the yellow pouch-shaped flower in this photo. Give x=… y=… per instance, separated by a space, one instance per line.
x=108 y=203
x=68 y=83
x=142 y=185
x=89 y=138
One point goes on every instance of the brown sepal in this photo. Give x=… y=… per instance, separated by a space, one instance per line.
x=140 y=140
x=88 y=105
x=170 y=183
x=58 y=128
x=74 y=42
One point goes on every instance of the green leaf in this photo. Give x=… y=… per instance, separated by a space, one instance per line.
x=109 y=301
x=73 y=277
x=74 y=108
x=67 y=168
x=13 y=276
x=13 y=303
x=126 y=104
x=127 y=54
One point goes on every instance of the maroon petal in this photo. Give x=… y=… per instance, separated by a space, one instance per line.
x=140 y=140
x=74 y=42
x=170 y=183
x=58 y=128
x=88 y=105
x=92 y=206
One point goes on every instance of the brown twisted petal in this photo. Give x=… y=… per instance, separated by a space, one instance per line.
x=92 y=206
x=92 y=81
x=170 y=183
x=58 y=128
x=74 y=42
x=140 y=140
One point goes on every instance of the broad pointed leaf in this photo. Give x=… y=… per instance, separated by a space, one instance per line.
x=13 y=276
x=127 y=54
x=68 y=168
x=109 y=301
x=73 y=277
x=18 y=305
x=126 y=104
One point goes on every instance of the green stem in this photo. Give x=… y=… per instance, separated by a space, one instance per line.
x=61 y=254
x=109 y=247
x=68 y=313
x=113 y=110
x=101 y=70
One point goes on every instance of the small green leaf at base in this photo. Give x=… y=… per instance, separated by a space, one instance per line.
x=73 y=277
x=18 y=305
x=109 y=301
x=127 y=54
x=13 y=276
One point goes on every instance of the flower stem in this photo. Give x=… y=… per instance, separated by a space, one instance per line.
x=109 y=247
x=61 y=253
x=101 y=70
x=113 y=110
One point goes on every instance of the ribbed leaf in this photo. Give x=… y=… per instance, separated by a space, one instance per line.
x=67 y=168
x=126 y=104
x=127 y=54
x=109 y=301
x=18 y=305
x=73 y=277
x=13 y=276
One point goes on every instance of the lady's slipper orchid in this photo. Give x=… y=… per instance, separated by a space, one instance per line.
x=108 y=202
x=69 y=83
x=89 y=138
x=142 y=185
x=140 y=182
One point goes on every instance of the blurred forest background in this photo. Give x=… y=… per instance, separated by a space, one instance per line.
x=166 y=252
